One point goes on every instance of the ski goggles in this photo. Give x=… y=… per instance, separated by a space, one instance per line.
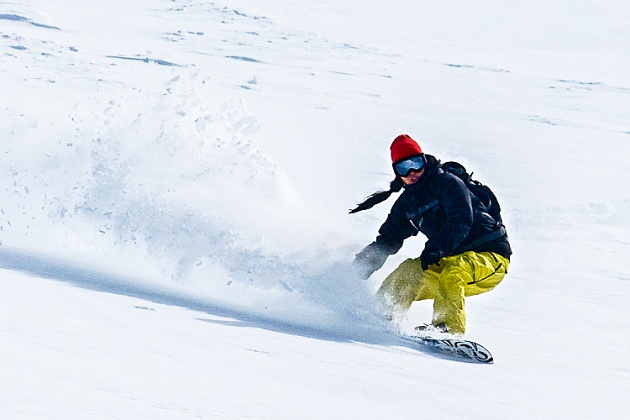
x=404 y=167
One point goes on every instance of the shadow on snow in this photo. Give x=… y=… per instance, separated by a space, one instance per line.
x=91 y=279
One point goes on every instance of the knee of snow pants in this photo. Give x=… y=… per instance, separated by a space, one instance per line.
x=400 y=288
x=467 y=274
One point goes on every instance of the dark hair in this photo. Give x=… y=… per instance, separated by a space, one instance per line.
x=378 y=197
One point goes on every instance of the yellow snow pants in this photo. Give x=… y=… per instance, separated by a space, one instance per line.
x=447 y=283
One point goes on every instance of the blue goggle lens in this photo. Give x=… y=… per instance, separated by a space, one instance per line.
x=404 y=167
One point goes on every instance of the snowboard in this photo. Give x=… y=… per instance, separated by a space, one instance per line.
x=456 y=348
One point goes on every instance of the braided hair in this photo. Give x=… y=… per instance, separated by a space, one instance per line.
x=378 y=197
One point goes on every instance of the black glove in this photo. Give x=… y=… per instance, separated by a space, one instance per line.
x=430 y=256
x=369 y=259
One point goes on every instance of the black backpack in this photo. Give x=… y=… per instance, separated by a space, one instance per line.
x=479 y=190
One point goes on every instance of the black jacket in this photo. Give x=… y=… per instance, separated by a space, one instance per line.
x=442 y=207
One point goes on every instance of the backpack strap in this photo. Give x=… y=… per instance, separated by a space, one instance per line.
x=499 y=233
x=417 y=215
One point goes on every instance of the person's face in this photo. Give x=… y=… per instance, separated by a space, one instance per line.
x=412 y=177
x=410 y=170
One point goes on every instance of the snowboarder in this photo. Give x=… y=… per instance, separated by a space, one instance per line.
x=466 y=253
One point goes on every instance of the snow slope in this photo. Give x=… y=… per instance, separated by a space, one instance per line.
x=173 y=223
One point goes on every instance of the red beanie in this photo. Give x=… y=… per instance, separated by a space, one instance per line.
x=403 y=147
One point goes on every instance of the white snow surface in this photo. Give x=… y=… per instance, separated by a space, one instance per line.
x=176 y=177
